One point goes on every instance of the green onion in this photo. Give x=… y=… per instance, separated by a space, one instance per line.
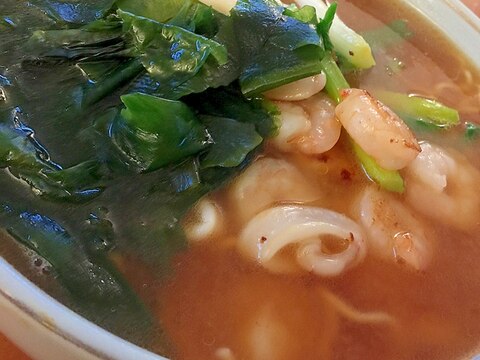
x=335 y=80
x=423 y=109
x=390 y=180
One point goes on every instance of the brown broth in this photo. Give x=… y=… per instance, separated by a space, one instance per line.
x=216 y=299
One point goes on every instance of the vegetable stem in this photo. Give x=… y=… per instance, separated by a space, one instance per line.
x=390 y=180
x=336 y=82
x=422 y=109
x=346 y=41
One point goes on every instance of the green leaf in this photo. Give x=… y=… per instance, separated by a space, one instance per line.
x=111 y=80
x=154 y=132
x=197 y=17
x=232 y=141
x=324 y=25
x=273 y=49
x=174 y=56
x=19 y=154
x=306 y=14
x=91 y=283
x=158 y=10
x=101 y=39
x=230 y=103
x=74 y=11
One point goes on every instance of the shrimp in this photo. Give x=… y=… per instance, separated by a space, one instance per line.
x=393 y=233
x=308 y=126
x=443 y=185
x=298 y=90
x=268 y=181
x=377 y=129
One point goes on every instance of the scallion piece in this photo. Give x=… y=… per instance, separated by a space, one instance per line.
x=423 y=109
x=390 y=180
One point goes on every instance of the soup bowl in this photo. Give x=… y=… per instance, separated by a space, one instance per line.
x=45 y=329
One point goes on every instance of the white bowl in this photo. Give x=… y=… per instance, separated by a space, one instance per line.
x=47 y=330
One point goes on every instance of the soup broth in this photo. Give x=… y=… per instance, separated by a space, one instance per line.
x=209 y=297
x=217 y=305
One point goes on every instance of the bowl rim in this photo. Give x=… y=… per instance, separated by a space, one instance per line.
x=55 y=317
x=63 y=322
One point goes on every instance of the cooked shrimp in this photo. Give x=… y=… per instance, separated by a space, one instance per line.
x=377 y=129
x=298 y=90
x=444 y=186
x=392 y=230
x=268 y=181
x=308 y=126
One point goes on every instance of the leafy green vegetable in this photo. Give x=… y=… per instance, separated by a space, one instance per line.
x=154 y=132
x=74 y=11
x=232 y=141
x=423 y=109
x=197 y=17
x=22 y=157
x=324 y=25
x=158 y=10
x=388 y=179
x=111 y=80
x=99 y=40
x=274 y=49
x=92 y=283
x=229 y=102
x=173 y=55
x=306 y=14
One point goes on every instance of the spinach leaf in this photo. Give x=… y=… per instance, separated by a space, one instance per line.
x=158 y=10
x=110 y=80
x=232 y=141
x=306 y=14
x=91 y=282
x=274 y=48
x=98 y=40
x=154 y=132
x=229 y=102
x=22 y=155
x=74 y=11
x=197 y=17
x=173 y=55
